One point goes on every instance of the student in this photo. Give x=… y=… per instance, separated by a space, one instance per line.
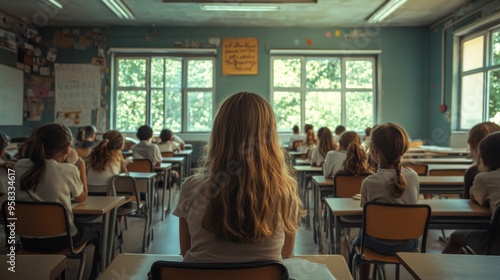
x=295 y=137
x=85 y=140
x=4 y=164
x=106 y=160
x=476 y=134
x=356 y=162
x=392 y=183
x=243 y=204
x=53 y=172
x=338 y=131
x=326 y=144
x=335 y=159
x=366 y=139
x=167 y=143
x=179 y=141
x=308 y=144
x=145 y=149
x=485 y=191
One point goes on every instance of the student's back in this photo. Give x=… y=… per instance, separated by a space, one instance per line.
x=106 y=160
x=335 y=159
x=145 y=149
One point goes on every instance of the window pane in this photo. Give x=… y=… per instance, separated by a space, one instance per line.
x=174 y=111
x=323 y=73
x=286 y=73
x=199 y=106
x=473 y=53
x=132 y=72
x=287 y=109
x=359 y=110
x=157 y=72
x=471 y=111
x=130 y=110
x=173 y=73
x=495 y=48
x=200 y=73
x=157 y=110
x=359 y=73
x=323 y=109
x=494 y=101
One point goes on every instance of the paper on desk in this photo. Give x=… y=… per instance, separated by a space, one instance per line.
x=300 y=269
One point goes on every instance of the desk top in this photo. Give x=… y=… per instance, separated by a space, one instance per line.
x=139 y=175
x=184 y=152
x=33 y=266
x=307 y=168
x=321 y=181
x=441 y=180
x=458 y=166
x=302 y=162
x=440 y=150
x=439 y=160
x=137 y=266
x=296 y=154
x=163 y=166
x=439 y=207
x=441 y=266
x=172 y=159
x=98 y=205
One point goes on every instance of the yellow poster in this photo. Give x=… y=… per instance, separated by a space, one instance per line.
x=240 y=56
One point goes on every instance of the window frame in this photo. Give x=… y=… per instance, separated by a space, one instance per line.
x=343 y=89
x=184 y=56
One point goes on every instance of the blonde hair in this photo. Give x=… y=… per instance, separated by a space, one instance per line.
x=107 y=152
x=253 y=191
x=391 y=142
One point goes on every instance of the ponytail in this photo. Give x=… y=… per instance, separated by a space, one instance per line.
x=106 y=152
x=398 y=186
x=35 y=151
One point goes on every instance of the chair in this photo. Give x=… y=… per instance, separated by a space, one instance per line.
x=267 y=270
x=42 y=219
x=126 y=185
x=421 y=169
x=296 y=144
x=167 y=154
x=140 y=165
x=416 y=144
x=391 y=222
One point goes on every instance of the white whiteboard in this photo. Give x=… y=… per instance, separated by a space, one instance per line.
x=11 y=96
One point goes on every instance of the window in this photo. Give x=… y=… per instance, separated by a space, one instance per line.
x=323 y=91
x=153 y=89
x=479 y=78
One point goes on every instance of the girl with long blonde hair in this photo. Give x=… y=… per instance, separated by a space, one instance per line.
x=243 y=204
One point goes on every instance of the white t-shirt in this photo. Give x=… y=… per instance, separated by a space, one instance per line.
x=148 y=151
x=486 y=189
x=376 y=187
x=104 y=177
x=168 y=146
x=317 y=158
x=205 y=247
x=295 y=137
x=60 y=183
x=333 y=163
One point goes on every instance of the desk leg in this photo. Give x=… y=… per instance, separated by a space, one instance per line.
x=305 y=198
x=111 y=234
x=104 y=241
x=188 y=165
x=338 y=233
x=166 y=180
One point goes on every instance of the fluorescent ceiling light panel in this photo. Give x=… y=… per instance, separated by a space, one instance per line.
x=388 y=8
x=56 y=3
x=119 y=8
x=239 y=7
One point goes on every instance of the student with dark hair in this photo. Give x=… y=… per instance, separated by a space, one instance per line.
x=338 y=131
x=145 y=149
x=167 y=143
x=85 y=140
x=295 y=137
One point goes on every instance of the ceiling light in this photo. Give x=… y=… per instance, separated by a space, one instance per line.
x=56 y=3
x=119 y=8
x=239 y=7
x=383 y=12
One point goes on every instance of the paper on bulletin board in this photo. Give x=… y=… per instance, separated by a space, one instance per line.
x=74 y=118
x=240 y=56
x=100 y=120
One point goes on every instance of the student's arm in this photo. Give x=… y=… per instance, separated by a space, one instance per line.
x=287 y=249
x=123 y=166
x=184 y=236
x=80 y=164
x=158 y=157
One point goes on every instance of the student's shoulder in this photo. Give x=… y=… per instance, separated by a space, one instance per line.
x=61 y=166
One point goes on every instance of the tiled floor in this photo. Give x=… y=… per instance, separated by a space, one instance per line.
x=166 y=241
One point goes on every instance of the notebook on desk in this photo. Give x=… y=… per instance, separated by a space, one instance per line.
x=357 y=196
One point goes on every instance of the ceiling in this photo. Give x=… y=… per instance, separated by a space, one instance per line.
x=324 y=13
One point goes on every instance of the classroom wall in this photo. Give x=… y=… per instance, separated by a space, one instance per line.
x=403 y=64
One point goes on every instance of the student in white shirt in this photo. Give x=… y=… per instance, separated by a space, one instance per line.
x=167 y=143
x=106 y=159
x=295 y=137
x=326 y=144
x=145 y=149
x=335 y=159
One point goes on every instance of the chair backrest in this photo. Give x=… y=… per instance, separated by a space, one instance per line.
x=140 y=165
x=126 y=185
x=99 y=190
x=268 y=270
x=40 y=219
x=447 y=172
x=421 y=169
x=416 y=144
x=396 y=221
x=494 y=242
x=167 y=154
x=296 y=144
x=346 y=185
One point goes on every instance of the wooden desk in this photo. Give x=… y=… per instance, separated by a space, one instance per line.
x=187 y=155
x=188 y=146
x=135 y=266
x=165 y=168
x=320 y=183
x=176 y=161
x=438 y=160
x=441 y=184
x=302 y=172
x=441 y=266
x=448 y=166
x=145 y=182
x=106 y=207
x=33 y=267
x=300 y=161
x=445 y=214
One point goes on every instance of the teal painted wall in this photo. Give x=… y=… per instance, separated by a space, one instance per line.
x=403 y=64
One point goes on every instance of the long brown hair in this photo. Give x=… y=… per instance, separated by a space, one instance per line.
x=391 y=142
x=47 y=142
x=107 y=151
x=478 y=133
x=253 y=192
x=489 y=151
x=347 y=138
x=356 y=162
x=326 y=141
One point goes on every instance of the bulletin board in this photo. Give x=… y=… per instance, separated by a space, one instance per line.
x=11 y=96
x=240 y=56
